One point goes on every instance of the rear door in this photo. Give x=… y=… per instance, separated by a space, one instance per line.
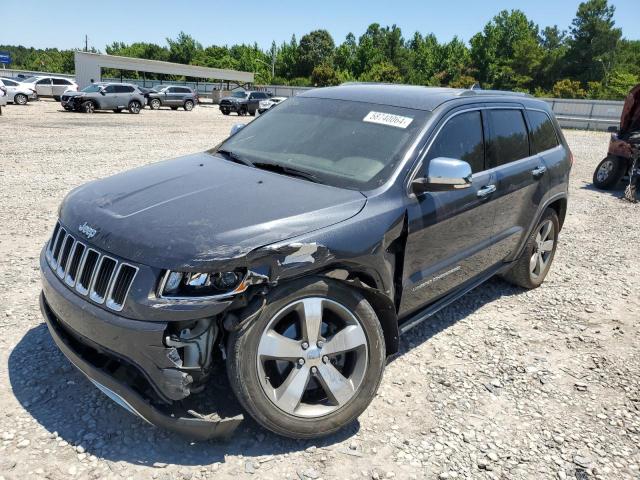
x=520 y=175
x=450 y=233
x=59 y=86
x=44 y=87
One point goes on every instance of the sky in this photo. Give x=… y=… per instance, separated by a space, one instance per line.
x=48 y=23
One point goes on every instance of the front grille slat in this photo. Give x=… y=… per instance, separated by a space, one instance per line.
x=100 y=277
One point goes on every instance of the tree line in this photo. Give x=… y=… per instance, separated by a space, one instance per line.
x=590 y=59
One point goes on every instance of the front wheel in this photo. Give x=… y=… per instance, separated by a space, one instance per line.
x=20 y=99
x=188 y=105
x=311 y=362
x=608 y=173
x=88 y=107
x=530 y=270
x=154 y=104
x=135 y=106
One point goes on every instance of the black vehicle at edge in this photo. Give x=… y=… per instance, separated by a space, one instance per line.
x=300 y=248
x=243 y=102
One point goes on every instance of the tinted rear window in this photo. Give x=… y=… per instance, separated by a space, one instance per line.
x=508 y=140
x=543 y=133
x=461 y=138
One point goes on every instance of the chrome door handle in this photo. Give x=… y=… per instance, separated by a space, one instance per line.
x=538 y=172
x=486 y=191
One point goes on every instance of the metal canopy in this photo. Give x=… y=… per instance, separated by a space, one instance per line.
x=89 y=65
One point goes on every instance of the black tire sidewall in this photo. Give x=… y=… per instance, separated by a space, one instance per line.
x=132 y=107
x=619 y=166
x=154 y=104
x=20 y=95
x=243 y=373
x=188 y=102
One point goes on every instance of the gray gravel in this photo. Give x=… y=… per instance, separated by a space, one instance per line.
x=503 y=384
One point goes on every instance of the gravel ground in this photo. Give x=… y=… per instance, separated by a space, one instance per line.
x=506 y=383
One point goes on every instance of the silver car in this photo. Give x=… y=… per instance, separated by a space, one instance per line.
x=48 y=86
x=105 y=96
x=17 y=92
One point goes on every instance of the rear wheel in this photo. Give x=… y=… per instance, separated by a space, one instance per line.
x=188 y=105
x=20 y=99
x=154 y=104
x=252 y=113
x=88 y=107
x=135 y=106
x=608 y=173
x=225 y=112
x=530 y=270
x=242 y=111
x=311 y=362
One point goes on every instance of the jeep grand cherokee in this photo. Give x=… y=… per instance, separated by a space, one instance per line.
x=298 y=250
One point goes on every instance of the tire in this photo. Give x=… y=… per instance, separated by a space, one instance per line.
x=188 y=105
x=174 y=108
x=252 y=374
x=134 y=107
x=155 y=104
x=20 y=99
x=252 y=113
x=609 y=172
x=529 y=271
x=67 y=108
x=88 y=107
x=242 y=111
x=225 y=112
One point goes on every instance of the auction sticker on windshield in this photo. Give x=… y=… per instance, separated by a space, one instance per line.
x=388 y=119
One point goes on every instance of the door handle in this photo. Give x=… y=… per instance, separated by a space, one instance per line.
x=538 y=172
x=486 y=191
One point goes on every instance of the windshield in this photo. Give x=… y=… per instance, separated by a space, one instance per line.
x=159 y=88
x=353 y=145
x=239 y=94
x=92 y=88
x=30 y=80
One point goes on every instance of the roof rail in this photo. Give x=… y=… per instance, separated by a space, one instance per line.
x=476 y=90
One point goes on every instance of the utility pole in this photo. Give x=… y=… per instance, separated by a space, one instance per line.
x=86 y=43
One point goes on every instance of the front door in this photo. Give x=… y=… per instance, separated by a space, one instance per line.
x=44 y=87
x=450 y=233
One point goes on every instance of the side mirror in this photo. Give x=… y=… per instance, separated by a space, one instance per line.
x=444 y=174
x=102 y=92
x=236 y=128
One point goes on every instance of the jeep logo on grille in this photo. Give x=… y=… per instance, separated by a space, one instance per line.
x=86 y=230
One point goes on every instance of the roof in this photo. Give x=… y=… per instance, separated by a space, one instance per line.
x=405 y=96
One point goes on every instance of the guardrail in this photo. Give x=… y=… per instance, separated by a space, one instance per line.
x=586 y=114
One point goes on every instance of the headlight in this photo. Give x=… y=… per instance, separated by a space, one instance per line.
x=190 y=284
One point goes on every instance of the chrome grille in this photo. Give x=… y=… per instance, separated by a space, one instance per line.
x=104 y=279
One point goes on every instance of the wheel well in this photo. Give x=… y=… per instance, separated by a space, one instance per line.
x=560 y=207
x=381 y=304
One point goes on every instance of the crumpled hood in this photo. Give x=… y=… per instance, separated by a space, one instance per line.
x=232 y=99
x=196 y=211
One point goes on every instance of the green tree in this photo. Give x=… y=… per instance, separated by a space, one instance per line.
x=183 y=49
x=383 y=72
x=568 y=88
x=593 y=42
x=316 y=48
x=324 y=76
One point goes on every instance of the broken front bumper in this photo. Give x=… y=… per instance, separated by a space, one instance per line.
x=111 y=351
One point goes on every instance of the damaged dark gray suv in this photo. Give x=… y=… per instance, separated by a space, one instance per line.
x=295 y=252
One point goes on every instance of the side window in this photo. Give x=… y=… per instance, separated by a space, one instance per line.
x=508 y=138
x=543 y=133
x=110 y=89
x=9 y=83
x=171 y=90
x=253 y=96
x=125 y=89
x=44 y=81
x=60 y=81
x=461 y=138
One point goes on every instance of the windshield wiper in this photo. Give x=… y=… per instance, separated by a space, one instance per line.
x=235 y=157
x=294 y=172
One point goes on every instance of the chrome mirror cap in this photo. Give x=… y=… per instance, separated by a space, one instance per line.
x=444 y=174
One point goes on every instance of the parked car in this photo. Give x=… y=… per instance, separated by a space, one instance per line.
x=105 y=96
x=18 y=93
x=301 y=248
x=270 y=103
x=3 y=97
x=46 y=86
x=172 y=96
x=242 y=102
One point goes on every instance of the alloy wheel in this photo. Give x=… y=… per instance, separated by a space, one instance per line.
x=605 y=170
x=312 y=357
x=544 y=243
